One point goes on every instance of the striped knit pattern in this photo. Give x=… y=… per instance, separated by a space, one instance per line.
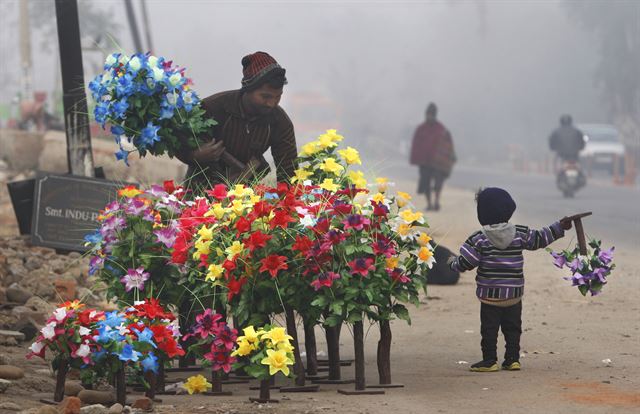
x=260 y=64
x=499 y=275
x=245 y=138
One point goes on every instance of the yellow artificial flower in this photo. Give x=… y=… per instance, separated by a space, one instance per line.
x=239 y=190
x=197 y=384
x=330 y=165
x=309 y=149
x=129 y=191
x=301 y=175
x=214 y=273
x=277 y=335
x=218 y=211
x=357 y=179
x=402 y=199
x=235 y=249
x=277 y=361
x=329 y=139
x=244 y=348
x=423 y=239
x=333 y=135
x=350 y=156
x=329 y=185
x=409 y=216
x=404 y=229
x=237 y=207
x=378 y=198
x=382 y=184
x=424 y=254
x=392 y=262
x=250 y=334
x=285 y=346
x=205 y=233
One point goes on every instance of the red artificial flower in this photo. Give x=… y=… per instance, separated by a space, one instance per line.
x=281 y=219
x=383 y=246
x=262 y=208
x=325 y=279
x=321 y=227
x=229 y=265
x=221 y=359
x=243 y=225
x=234 y=286
x=169 y=186
x=379 y=209
x=152 y=309
x=302 y=244
x=342 y=207
x=204 y=260
x=219 y=191
x=171 y=348
x=273 y=264
x=355 y=221
x=398 y=275
x=256 y=239
x=361 y=266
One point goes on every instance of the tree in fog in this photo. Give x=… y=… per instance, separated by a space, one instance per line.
x=616 y=25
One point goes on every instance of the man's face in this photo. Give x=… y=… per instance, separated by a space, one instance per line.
x=431 y=116
x=263 y=100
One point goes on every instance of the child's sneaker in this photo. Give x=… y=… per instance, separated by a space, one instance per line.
x=487 y=365
x=511 y=365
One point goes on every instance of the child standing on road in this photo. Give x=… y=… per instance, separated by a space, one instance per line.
x=496 y=250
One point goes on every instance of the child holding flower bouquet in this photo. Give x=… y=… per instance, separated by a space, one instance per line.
x=496 y=250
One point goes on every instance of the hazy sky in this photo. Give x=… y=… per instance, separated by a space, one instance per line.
x=501 y=71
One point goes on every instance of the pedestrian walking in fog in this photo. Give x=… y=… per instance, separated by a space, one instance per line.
x=432 y=151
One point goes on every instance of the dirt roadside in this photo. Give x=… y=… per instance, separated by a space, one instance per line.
x=566 y=339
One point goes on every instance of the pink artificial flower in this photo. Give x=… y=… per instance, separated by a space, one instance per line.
x=361 y=266
x=325 y=279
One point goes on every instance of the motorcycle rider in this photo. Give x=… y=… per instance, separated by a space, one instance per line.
x=567 y=141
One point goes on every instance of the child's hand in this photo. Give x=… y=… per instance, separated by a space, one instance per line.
x=565 y=223
x=450 y=260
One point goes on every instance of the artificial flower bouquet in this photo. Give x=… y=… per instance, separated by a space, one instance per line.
x=588 y=272
x=149 y=102
x=131 y=248
x=101 y=343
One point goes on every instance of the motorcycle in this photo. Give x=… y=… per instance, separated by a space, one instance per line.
x=570 y=178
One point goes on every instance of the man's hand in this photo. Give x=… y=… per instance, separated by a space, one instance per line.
x=565 y=223
x=209 y=152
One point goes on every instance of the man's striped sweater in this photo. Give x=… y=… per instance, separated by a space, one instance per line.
x=499 y=275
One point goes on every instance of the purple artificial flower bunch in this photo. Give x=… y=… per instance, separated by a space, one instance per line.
x=588 y=272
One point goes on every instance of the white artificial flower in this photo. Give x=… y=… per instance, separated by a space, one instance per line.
x=60 y=314
x=83 y=350
x=36 y=347
x=135 y=63
x=83 y=331
x=49 y=331
x=158 y=74
x=153 y=61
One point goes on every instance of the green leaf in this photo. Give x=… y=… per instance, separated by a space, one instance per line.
x=402 y=312
x=320 y=302
x=333 y=320
x=354 y=317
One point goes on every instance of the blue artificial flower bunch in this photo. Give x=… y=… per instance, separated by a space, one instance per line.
x=148 y=101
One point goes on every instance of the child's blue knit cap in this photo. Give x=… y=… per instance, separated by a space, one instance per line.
x=495 y=205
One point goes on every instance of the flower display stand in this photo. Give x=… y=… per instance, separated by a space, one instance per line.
x=384 y=358
x=298 y=366
x=333 y=349
x=265 y=393
x=360 y=383
x=216 y=385
x=61 y=376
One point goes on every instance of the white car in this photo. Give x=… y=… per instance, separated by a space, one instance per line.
x=602 y=145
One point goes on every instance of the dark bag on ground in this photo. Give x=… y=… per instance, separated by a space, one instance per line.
x=441 y=273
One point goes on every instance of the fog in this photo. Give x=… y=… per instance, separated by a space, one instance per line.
x=501 y=72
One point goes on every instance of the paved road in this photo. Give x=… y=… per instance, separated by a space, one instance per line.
x=616 y=209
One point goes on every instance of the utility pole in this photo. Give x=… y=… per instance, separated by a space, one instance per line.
x=25 y=50
x=131 y=16
x=74 y=99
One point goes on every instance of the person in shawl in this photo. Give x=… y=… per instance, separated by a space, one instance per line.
x=432 y=151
